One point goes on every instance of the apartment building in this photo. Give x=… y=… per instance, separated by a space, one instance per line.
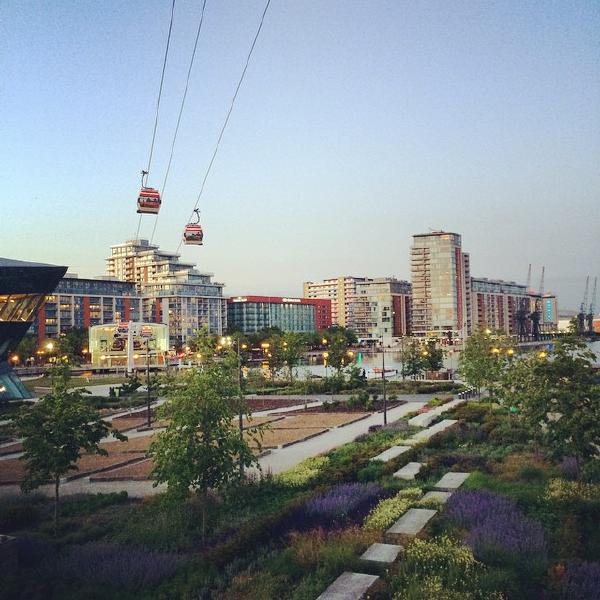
x=341 y=291
x=441 y=287
x=382 y=309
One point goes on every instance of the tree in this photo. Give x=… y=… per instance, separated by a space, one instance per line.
x=433 y=356
x=558 y=398
x=72 y=343
x=294 y=346
x=483 y=359
x=27 y=348
x=55 y=431
x=413 y=361
x=200 y=449
x=338 y=350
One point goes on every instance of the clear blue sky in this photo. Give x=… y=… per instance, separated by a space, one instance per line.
x=359 y=124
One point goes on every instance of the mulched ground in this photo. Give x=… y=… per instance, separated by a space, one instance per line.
x=270 y=402
x=12 y=470
x=342 y=407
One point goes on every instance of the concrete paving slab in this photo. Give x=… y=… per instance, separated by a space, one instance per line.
x=391 y=453
x=409 y=524
x=423 y=420
x=427 y=434
x=409 y=471
x=451 y=481
x=349 y=586
x=441 y=497
x=382 y=554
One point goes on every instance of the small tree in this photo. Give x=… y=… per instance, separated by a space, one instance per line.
x=339 y=354
x=294 y=346
x=433 y=356
x=200 y=450
x=413 y=361
x=55 y=431
x=483 y=359
x=558 y=398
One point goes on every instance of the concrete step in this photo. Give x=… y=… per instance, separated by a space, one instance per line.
x=409 y=471
x=409 y=525
x=451 y=481
x=349 y=586
x=391 y=453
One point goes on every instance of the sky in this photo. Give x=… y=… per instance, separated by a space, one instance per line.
x=358 y=125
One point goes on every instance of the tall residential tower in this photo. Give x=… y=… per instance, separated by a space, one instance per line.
x=440 y=286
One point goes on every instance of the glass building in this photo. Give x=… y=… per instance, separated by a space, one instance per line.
x=250 y=314
x=23 y=290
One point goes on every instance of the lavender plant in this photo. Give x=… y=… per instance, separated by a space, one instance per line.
x=118 y=565
x=497 y=527
x=338 y=502
x=582 y=581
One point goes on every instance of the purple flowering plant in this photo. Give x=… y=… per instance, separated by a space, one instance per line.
x=342 y=500
x=117 y=565
x=497 y=528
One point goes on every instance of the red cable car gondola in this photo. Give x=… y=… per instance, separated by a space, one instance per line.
x=148 y=201
x=192 y=233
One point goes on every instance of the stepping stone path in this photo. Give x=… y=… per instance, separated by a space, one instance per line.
x=451 y=481
x=409 y=524
x=349 y=586
x=391 y=453
x=441 y=497
x=426 y=434
x=382 y=555
x=425 y=419
x=409 y=471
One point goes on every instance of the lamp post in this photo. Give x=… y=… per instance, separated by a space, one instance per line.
x=227 y=341
x=384 y=382
x=148 y=401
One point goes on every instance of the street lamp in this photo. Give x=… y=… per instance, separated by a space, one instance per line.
x=543 y=354
x=384 y=382
x=148 y=399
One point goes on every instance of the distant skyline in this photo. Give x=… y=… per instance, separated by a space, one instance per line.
x=359 y=124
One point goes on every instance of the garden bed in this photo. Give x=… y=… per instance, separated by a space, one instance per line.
x=12 y=470
x=11 y=449
x=139 y=471
x=273 y=438
x=306 y=419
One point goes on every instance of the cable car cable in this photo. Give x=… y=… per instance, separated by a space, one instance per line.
x=187 y=83
x=162 y=79
x=237 y=89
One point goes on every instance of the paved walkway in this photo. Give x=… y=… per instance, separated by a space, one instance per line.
x=276 y=461
x=285 y=458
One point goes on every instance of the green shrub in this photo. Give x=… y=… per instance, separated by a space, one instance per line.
x=390 y=509
x=303 y=473
x=372 y=472
x=441 y=568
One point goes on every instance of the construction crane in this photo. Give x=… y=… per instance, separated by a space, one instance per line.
x=522 y=312
x=592 y=310
x=581 y=315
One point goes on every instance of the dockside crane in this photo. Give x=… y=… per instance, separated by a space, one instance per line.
x=581 y=316
x=592 y=310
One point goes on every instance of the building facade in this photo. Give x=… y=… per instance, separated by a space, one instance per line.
x=441 y=287
x=23 y=290
x=172 y=292
x=341 y=291
x=78 y=303
x=499 y=305
x=250 y=314
x=382 y=309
